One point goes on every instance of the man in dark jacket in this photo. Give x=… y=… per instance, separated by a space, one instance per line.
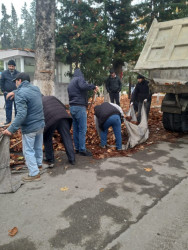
x=113 y=86
x=142 y=95
x=109 y=115
x=7 y=85
x=57 y=118
x=135 y=104
x=77 y=91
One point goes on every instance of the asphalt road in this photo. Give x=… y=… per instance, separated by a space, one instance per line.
x=135 y=202
x=164 y=227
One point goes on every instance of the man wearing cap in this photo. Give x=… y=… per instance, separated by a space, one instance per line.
x=7 y=85
x=142 y=95
x=30 y=118
x=113 y=87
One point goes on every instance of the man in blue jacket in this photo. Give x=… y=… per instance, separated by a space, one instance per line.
x=77 y=91
x=30 y=118
x=7 y=85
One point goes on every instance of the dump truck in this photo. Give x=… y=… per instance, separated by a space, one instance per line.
x=165 y=58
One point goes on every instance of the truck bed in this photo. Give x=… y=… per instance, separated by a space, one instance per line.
x=174 y=88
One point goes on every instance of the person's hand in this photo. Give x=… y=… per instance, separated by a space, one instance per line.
x=10 y=95
x=131 y=103
x=6 y=132
x=145 y=100
x=96 y=89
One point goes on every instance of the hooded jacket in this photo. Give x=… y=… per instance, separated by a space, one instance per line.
x=77 y=89
x=7 y=85
x=54 y=110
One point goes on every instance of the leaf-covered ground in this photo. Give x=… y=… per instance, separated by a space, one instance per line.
x=157 y=133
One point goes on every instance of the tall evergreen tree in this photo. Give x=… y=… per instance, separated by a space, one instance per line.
x=5 y=31
x=81 y=39
x=15 y=40
x=33 y=21
x=163 y=10
x=119 y=23
x=27 y=27
x=20 y=39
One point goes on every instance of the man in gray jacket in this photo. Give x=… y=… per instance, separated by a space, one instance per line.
x=30 y=118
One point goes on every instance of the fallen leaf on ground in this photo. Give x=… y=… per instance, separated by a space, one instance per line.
x=20 y=158
x=18 y=168
x=13 y=231
x=148 y=169
x=64 y=189
x=109 y=150
x=101 y=189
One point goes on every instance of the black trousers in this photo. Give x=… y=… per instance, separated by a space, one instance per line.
x=114 y=97
x=63 y=127
x=147 y=107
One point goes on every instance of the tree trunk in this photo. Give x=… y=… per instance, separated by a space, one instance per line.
x=118 y=69
x=45 y=47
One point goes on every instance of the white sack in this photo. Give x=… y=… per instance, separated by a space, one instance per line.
x=7 y=183
x=137 y=133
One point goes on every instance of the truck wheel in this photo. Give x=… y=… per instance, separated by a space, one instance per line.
x=172 y=122
x=185 y=122
x=177 y=122
x=167 y=121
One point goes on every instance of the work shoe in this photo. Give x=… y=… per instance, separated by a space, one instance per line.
x=48 y=161
x=50 y=165
x=86 y=153
x=72 y=162
x=6 y=123
x=76 y=151
x=31 y=178
x=40 y=167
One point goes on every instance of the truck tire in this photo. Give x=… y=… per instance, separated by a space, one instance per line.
x=185 y=122
x=176 y=122
x=172 y=122
x=167 y=121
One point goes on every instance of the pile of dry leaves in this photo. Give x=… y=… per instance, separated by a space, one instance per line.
x=157 y=133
